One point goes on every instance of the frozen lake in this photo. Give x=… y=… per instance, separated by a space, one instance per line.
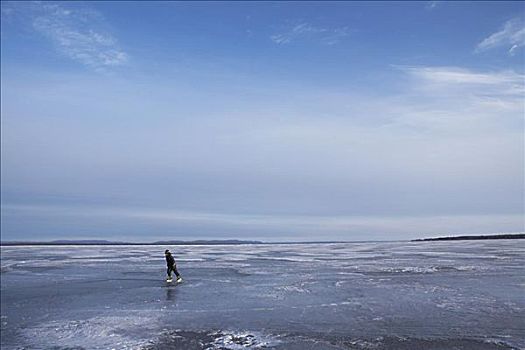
x=393 y=295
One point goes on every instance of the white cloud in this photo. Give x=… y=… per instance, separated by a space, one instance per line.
x=303 y=30
x=456 y=75
x=501 y=83
x=512 y=35
x=77 y=35
x=430 y=5
x=456 y=99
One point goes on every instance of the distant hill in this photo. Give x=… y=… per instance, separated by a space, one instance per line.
x=105 y=242
x=462 y=238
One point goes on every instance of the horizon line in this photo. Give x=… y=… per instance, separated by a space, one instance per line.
x=93 y=242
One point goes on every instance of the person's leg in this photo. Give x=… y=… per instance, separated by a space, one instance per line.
x=176 y=272
x=169 y=272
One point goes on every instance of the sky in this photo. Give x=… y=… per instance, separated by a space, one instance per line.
x=273 y=121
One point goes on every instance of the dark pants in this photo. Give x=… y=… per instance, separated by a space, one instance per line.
x=174 y=269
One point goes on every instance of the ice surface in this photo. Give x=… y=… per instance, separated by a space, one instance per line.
x=394 y=295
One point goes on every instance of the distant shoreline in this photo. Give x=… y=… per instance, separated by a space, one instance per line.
x=240 y=242
x=472 y=238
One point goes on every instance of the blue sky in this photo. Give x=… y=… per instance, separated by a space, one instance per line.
x=261 y=120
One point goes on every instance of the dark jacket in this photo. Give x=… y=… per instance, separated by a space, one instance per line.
x=170 y=261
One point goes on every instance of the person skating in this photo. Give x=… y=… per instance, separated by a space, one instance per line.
x=172 y=267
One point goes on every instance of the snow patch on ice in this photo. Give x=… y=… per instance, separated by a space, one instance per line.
x=294 y=289
x=430 y=269
x=95 y=333
x=241 y=340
